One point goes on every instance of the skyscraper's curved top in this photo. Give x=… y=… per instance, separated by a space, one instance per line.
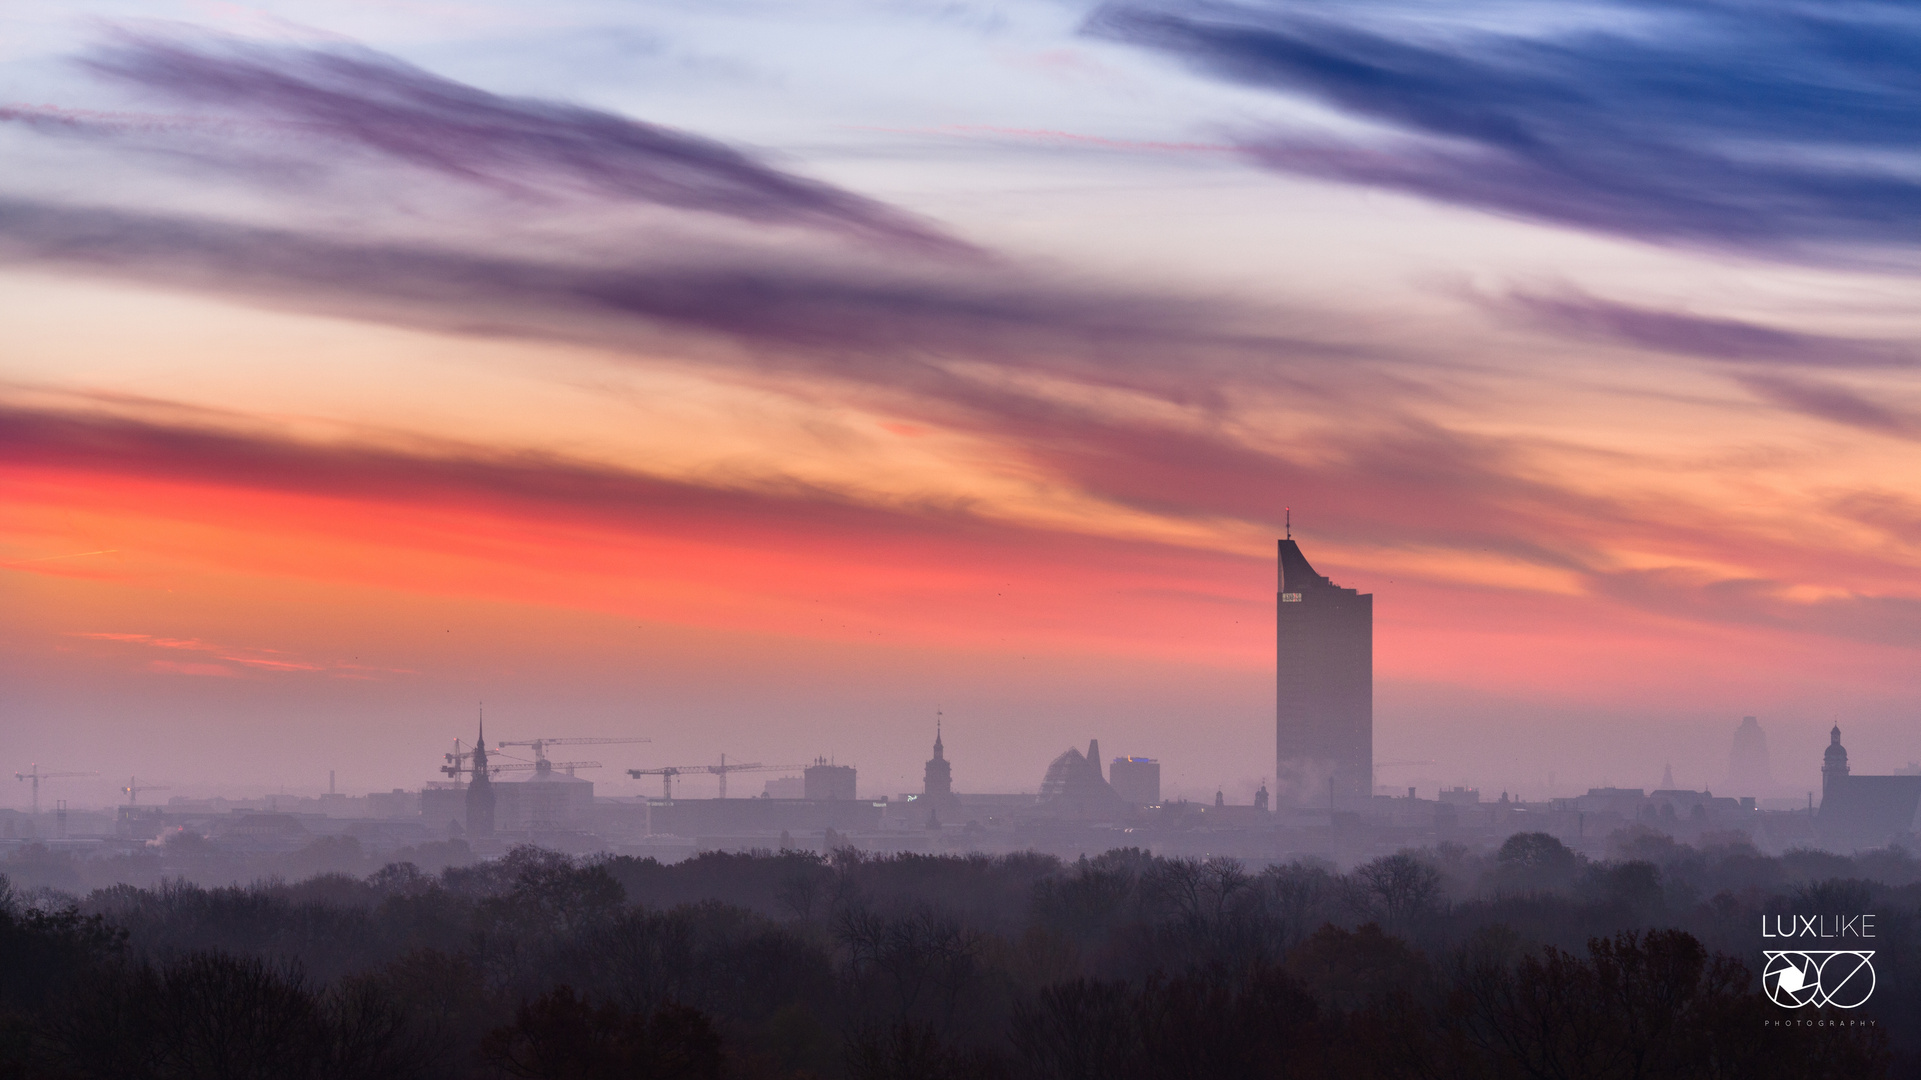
x=1297 y=574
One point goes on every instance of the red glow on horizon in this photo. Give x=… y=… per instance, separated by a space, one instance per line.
x=992 y=589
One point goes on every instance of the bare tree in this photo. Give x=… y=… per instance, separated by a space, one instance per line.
x=1401 y=888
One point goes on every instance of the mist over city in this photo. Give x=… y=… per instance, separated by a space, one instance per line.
x=960 y=540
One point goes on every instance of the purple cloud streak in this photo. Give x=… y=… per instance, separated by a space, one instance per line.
x=880 y=324
x=1770 y=125
x=1707 y=337
x=363 y=98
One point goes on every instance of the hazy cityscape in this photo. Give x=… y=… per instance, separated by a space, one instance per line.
x=960 y=540
x=1329 y=875
x=1327 y=800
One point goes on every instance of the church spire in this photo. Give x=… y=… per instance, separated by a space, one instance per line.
x=480 y=790
x=937 y=786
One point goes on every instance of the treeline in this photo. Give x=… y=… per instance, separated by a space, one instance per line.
x=1526 y=962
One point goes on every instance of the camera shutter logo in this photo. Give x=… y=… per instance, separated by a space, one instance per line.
x=1841 y=978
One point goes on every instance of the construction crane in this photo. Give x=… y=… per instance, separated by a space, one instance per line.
x=135 y=787
x=668 y=772
x=34 y=774
x=542 y=766
x=460 y=763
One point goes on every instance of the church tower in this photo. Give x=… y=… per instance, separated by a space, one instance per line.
x=937 y=785
x=480 y=792
x=1834 y=765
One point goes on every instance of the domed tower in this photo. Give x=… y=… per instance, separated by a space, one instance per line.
x=1834 y=764
x=1748 y=768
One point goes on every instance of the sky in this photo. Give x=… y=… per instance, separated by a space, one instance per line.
x=765 y=378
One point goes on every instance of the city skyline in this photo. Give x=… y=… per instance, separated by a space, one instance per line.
x=762 y=380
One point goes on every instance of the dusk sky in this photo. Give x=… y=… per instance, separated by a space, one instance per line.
x=762 y=377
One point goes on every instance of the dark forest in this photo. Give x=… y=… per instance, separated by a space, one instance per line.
x=1531 y=961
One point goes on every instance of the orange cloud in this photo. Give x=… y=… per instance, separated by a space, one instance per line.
x=175 y=667
x=257 y=659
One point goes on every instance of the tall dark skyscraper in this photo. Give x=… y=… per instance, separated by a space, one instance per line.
x=1324 y=687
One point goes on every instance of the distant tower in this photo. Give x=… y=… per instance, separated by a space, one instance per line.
x=937 y=786
x=1834 y=765
x=1136 y=779
x=1260 y=798
x=1749 y=772
x=1324 y=686
x=480 y=792
x=1667 y=778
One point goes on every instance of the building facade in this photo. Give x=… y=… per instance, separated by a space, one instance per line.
x=824 y=781
x=1136 y=779
x=1324 y=687
x=1075 y=788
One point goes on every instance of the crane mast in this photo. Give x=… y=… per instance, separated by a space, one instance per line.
x=34 y=774
x=668 y=772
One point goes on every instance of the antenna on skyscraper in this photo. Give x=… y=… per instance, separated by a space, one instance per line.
x=1290 y=523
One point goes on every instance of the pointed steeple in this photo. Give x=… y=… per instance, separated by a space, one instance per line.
x=937 y=784
x=480 y=791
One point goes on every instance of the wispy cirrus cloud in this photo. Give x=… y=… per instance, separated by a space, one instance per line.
x=872 y=322
x=1773 y=125
x=321 y=100
x=1710 y=337
x=1883 y=620
x=1832 y=402
x=226 y=661
x=886 y=313
x=954 y=344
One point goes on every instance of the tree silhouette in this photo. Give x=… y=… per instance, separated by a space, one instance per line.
x=560 y=1036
